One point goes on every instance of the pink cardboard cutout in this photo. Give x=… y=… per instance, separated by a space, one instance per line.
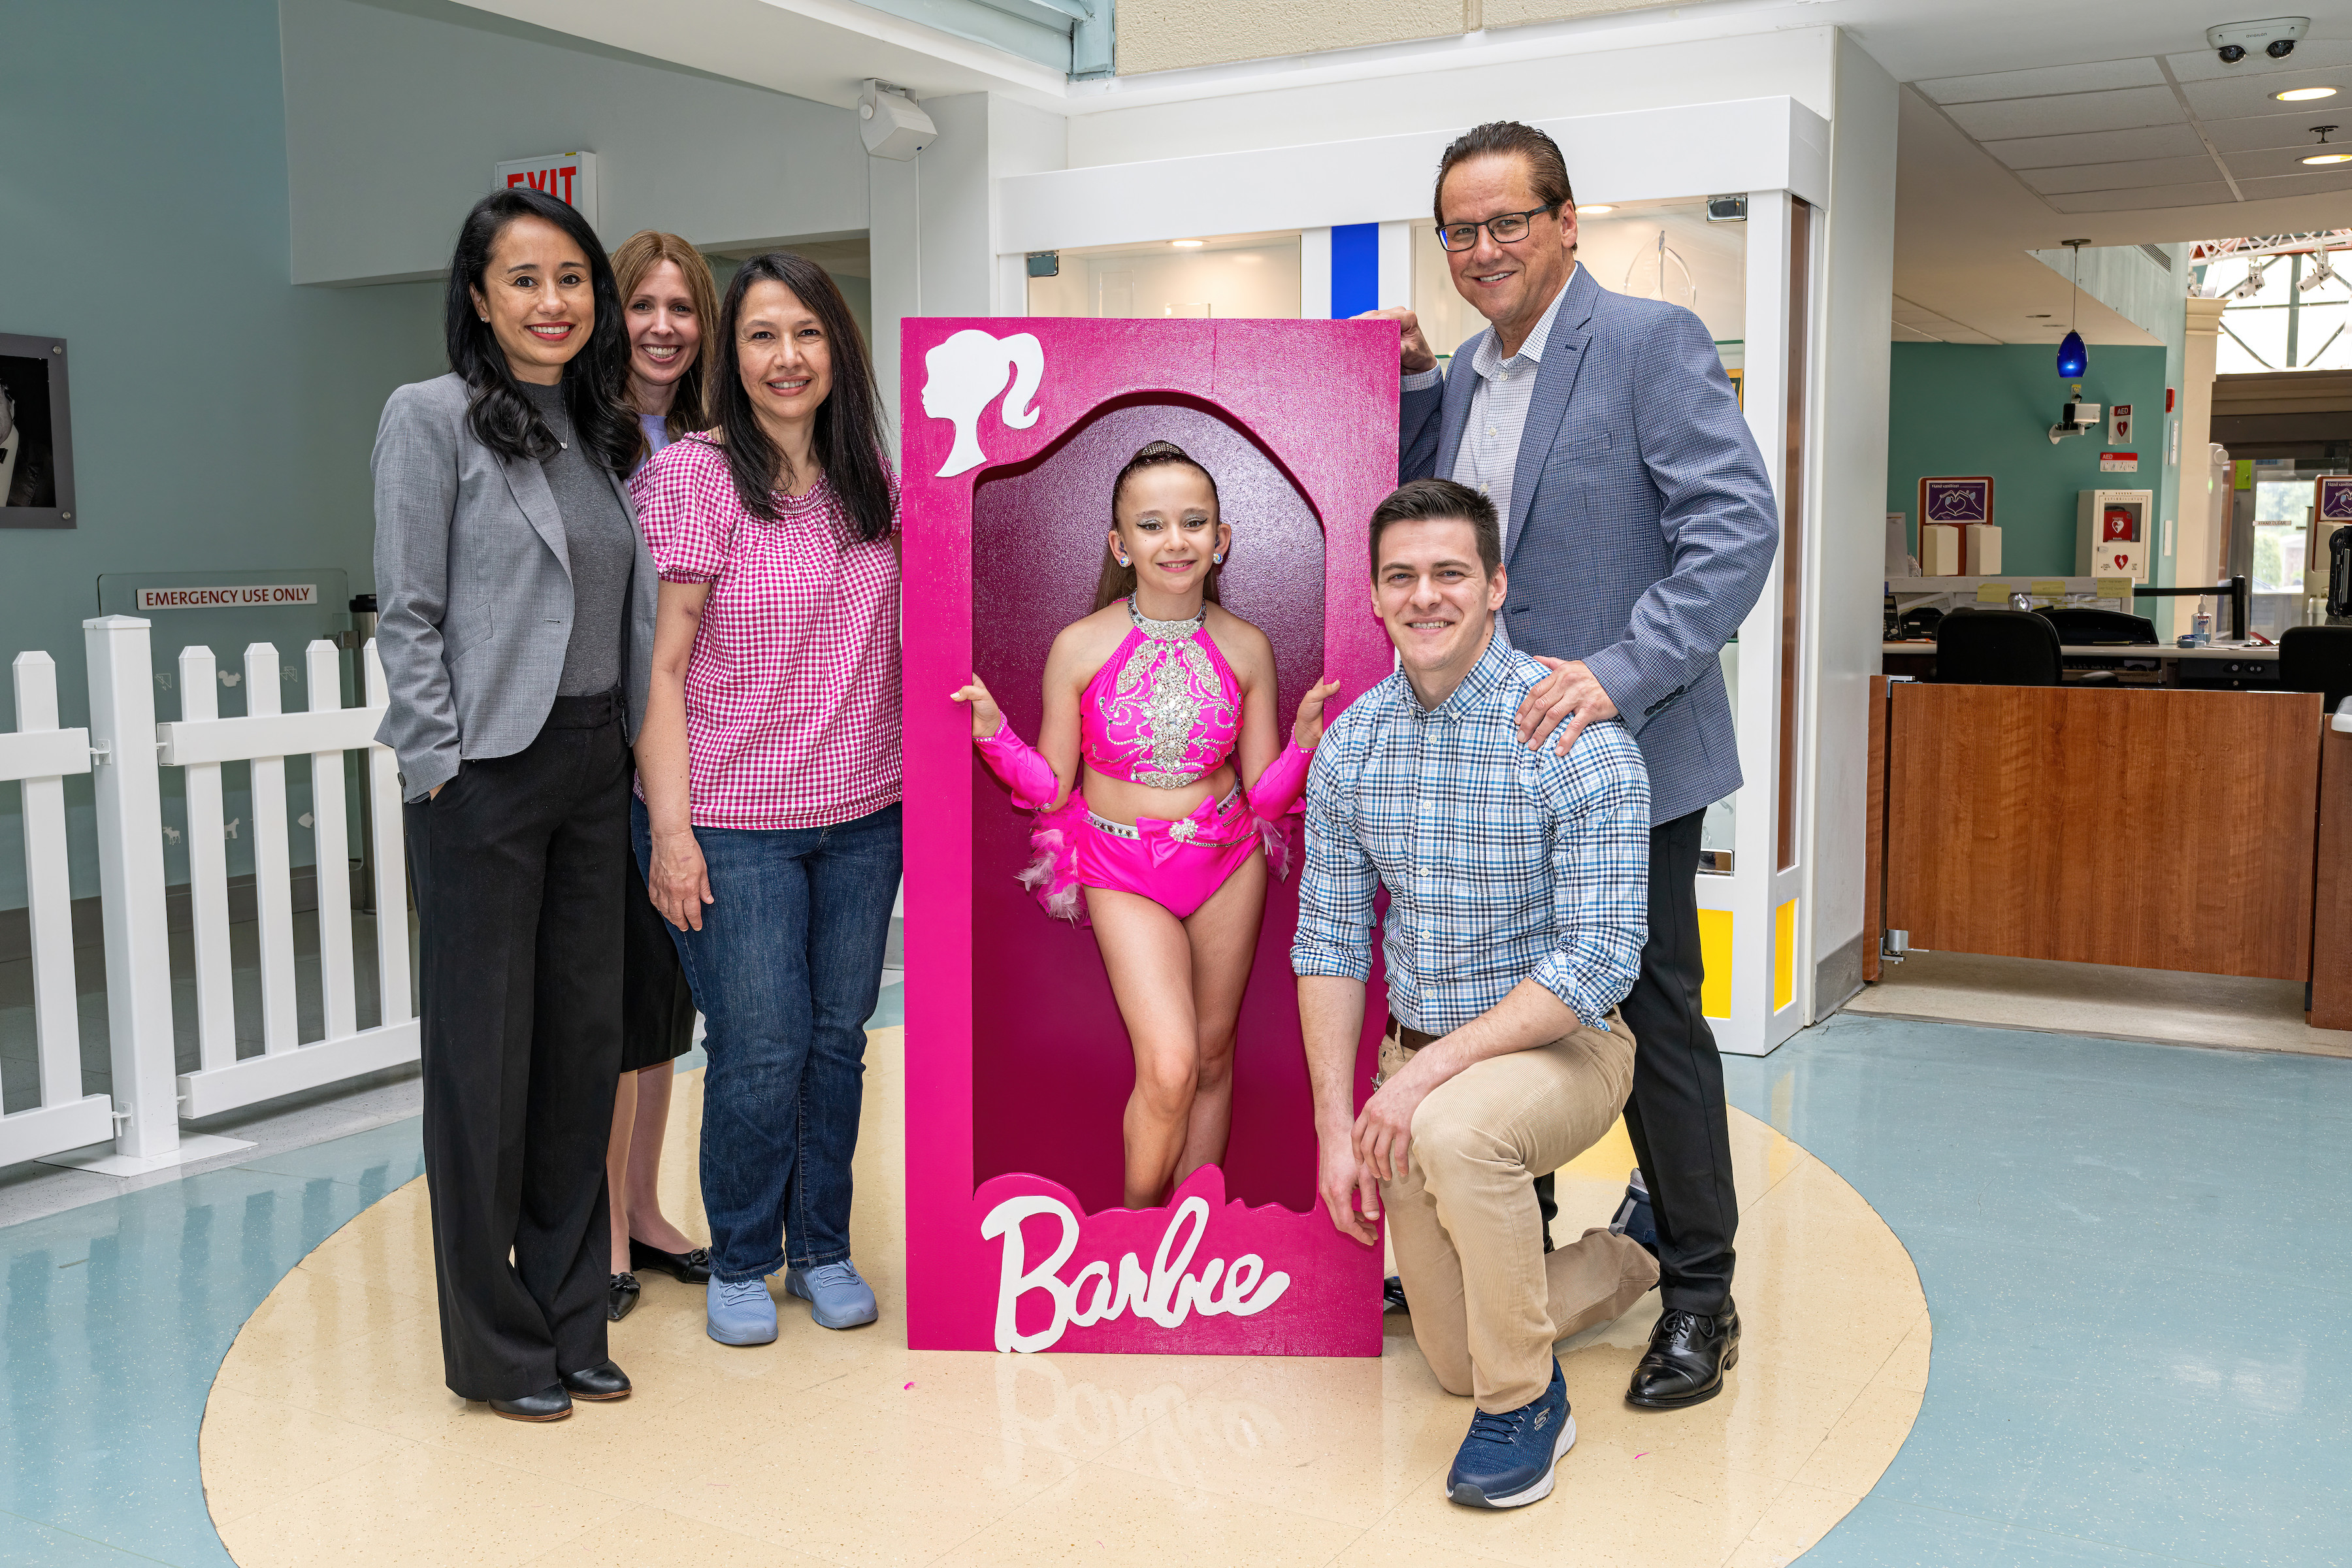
x=1017 y=1063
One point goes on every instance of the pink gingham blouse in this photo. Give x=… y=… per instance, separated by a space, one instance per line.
x=792 y=691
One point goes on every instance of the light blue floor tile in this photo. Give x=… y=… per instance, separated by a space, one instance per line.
x=1883 y=1534
x=28 y=1543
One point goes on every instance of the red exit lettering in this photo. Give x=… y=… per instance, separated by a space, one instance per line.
x=555 y=182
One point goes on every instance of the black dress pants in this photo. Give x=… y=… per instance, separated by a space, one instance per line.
x=519 y=865
x=1681 y=1131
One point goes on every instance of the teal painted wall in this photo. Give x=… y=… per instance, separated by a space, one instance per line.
x=222 y=416
x=1961 y=409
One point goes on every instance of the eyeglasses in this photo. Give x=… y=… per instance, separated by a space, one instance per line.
x=1506 y=228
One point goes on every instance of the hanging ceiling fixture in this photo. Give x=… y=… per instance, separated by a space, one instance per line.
x=2074 y=359
x=2326 y=154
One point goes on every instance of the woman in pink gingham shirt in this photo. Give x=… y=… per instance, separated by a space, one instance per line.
x=769 y=771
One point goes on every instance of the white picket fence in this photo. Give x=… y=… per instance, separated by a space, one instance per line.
x=125 y=749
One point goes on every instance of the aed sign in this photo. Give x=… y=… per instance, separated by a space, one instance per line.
x=253 y=596
x=2119 y=424
x=2119 y=462
x=567 y=177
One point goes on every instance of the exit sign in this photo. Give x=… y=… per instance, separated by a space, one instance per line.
x=567 y=177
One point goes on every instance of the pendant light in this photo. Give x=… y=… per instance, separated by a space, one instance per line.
x=2074 y=359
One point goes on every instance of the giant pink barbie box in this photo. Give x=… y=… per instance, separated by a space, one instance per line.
x=1018 y=1067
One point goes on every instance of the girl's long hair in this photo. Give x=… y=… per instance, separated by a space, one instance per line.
x=594 y=379
x=848 y=437
x=1117 y=581
x=638 y=255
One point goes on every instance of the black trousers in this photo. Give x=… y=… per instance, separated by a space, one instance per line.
x=1681 y=1131
x=519 y=865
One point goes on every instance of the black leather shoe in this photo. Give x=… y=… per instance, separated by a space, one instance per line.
x=604 y=1380
x=1393 y=1296
x=550 y=1403
x=685 y=1268
x=1688 y=1355
x=621 y=1297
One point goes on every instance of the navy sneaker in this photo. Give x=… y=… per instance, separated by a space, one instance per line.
x=1635 y=1218
x=1507 y=1460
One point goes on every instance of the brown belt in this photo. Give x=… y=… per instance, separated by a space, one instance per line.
x=1411 y=1039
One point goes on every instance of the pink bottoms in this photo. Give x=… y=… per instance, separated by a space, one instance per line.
x=1177 y=865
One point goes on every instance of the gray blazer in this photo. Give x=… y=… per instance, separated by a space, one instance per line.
x=1643 y=523
x=474 y=590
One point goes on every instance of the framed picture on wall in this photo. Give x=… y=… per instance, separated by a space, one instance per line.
x=1959 y=502
x=2331 y=508
x=37 y=487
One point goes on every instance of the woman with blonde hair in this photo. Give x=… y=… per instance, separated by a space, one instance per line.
x=667 y=299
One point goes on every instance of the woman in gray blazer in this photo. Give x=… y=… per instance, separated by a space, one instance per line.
x=517 y=636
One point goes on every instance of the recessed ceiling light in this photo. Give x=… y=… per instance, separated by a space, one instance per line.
x=2330 y=158
x=1187 y=244
x=2304 y=94
x=1594 y=209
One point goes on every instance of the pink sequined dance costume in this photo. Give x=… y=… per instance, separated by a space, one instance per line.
x=1164 y=710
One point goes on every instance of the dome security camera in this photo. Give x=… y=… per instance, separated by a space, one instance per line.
x=2274 y=36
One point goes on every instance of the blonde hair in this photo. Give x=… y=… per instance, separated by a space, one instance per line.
x=632 y=264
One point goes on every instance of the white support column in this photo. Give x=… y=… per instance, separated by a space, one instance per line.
x=131 y=888
x=1315 y=274
x=207 y=872
x=1396 y=266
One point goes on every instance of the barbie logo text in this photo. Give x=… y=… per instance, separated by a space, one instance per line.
x=1167 y=1296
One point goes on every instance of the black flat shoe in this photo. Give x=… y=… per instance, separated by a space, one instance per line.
x=601 y=1381
x=1393 y=1296
x=1688 y=1357
x=621 y=1297
x=550 y=1403
x=685 y=1268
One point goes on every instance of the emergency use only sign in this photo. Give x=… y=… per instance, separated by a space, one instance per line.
x=245 y=597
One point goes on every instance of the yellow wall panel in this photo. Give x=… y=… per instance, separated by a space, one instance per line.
x=1784 y=956
x=1715 y=952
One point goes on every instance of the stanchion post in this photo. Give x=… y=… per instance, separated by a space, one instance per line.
x=130 y=885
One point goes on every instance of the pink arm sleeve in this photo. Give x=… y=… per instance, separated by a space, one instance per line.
x=1278 y=788
x=1023 y=769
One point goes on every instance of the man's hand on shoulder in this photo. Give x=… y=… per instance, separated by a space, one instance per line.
x=1570 y=692
x=1416 y=355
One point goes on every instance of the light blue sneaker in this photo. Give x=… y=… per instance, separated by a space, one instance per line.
x=1507 y=1460
x=740 y=1312
x=839 y=1299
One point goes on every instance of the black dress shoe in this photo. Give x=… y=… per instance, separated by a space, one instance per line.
x=1689 y=1353
x=604 y=1380
x=621 y=1297
x=1392 y=1295
x=550 y=1403
x=685 y=1268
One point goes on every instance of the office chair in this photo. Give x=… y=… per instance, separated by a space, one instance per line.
x=2002 y=647
x=2079 y=627
x=2316 y=658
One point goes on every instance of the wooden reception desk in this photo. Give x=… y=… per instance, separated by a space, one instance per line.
x=2159 y=829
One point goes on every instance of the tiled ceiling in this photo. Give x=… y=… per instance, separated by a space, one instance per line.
x=1915 y=323
x=2159 y=130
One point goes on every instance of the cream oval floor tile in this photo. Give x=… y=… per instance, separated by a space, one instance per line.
x=849 y=1448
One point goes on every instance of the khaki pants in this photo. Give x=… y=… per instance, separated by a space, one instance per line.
x=1487 y=1301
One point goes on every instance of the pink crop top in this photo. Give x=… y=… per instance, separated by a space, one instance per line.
x=1165 y=710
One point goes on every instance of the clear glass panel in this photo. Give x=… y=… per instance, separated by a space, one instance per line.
x=1716 y=831
x=1223 y=279
x=1657 y=250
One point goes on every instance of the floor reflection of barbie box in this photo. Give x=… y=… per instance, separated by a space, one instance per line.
x=1133 y=549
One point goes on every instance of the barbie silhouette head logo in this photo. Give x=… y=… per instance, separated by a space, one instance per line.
x=964 y=375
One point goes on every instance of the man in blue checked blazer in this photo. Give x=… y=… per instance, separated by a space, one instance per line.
x=1639 y=527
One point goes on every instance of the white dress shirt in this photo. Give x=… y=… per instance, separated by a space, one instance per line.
x=1498 y=410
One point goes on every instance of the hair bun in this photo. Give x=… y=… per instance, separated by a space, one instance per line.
x=1158 y=451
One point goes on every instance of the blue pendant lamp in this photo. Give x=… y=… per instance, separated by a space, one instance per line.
x=2074 y=359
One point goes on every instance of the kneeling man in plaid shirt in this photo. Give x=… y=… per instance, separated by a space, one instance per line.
x=1517 y=906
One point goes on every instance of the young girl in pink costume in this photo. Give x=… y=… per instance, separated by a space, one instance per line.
x=1157 y=781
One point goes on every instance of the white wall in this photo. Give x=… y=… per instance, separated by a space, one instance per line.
x=394 y=118
x=1845 y=556
x=1593 y=79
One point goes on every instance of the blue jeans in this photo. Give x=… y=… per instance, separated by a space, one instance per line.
x=785 y=970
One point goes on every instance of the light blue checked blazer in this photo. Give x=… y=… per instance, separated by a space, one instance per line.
x=1641 y=524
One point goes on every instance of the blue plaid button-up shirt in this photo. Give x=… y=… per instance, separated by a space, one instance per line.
x=1501 y=861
